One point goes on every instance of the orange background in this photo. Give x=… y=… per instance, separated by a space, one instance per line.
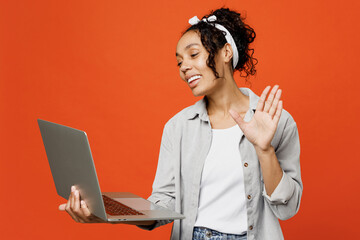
x=109 y=68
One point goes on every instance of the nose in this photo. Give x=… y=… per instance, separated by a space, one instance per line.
x=185 y=65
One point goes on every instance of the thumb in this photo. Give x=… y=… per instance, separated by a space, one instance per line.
x=62 y=207
x=238 y=119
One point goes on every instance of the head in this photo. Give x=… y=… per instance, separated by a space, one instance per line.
x=204 y=52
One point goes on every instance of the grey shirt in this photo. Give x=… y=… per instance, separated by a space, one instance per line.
x=185 y=144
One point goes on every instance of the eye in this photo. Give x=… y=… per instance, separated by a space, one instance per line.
x=194 y=55
x=179 y=64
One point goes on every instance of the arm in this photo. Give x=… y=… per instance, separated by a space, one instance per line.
x=164 y=183
x=284 y=201
x=280 y=167
x=270 y=168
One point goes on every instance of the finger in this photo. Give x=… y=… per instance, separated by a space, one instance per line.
x=85 y=210
x=260 y=105
x=68 y=206
x=238 y=119
x=275 y=103
x=76 y=203
x=76 y=208
x=278 y=112
x=69 y=211
x=72 y=196
x=62 y=207
x=270 y=98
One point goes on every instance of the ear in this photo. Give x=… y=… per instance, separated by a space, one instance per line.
x=227 y=52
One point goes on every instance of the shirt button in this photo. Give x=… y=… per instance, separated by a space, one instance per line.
x=208 y=234
x=246 y=164
x=251 y=227
x=249 y=197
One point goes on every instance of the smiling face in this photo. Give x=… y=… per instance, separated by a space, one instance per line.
x=191 y=57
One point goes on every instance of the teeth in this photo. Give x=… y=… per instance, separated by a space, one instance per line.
x=193 y=78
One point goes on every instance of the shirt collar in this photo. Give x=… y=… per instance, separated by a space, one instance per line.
x=199 y=108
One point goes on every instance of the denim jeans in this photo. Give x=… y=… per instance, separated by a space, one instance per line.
x=201 y=233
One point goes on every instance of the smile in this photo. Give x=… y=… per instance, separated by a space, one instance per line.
x=193 y=78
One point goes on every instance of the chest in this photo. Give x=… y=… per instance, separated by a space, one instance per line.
x=196 y=142
x=195 y=145
x=221 y=122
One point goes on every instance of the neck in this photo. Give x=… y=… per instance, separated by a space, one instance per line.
x=227 y=96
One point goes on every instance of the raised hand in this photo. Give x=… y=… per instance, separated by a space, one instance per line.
x=261 y=128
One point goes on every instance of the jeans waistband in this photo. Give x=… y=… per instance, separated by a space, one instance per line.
x=207 y=233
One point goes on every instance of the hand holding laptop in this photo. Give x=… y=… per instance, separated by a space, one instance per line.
x=79 y=211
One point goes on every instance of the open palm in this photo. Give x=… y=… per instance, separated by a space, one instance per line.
x=261 y=128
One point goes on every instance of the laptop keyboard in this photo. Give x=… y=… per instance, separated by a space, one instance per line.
x=113 y=207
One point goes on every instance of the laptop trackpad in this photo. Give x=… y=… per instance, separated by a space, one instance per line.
x=138 y=203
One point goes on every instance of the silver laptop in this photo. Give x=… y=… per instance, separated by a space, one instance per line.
x=71 y=163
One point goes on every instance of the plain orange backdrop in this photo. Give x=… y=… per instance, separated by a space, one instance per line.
x=109 y=68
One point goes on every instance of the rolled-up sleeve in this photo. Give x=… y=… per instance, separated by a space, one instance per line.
x=285 y=200
x=163 y=192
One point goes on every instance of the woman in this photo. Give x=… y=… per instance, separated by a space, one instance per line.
x=230 y=162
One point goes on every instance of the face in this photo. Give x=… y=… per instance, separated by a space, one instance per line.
x=191 y=57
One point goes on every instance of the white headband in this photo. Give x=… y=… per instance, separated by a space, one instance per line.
x=195 y=20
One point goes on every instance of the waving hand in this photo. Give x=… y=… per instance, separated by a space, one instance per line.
x=261 y=128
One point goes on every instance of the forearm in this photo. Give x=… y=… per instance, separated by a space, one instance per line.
x=270 y=168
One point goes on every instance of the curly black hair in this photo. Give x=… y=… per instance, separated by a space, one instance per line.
x=213 y=39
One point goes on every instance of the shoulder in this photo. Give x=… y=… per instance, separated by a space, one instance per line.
x=188 y=113
x=286 y=131
x=286 y=120
x=180 y=118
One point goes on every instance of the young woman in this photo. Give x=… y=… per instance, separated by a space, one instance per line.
x=230 y=162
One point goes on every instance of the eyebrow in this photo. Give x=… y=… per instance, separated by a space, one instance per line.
x=188 y=46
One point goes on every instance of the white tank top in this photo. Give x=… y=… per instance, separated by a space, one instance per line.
x=222 y=203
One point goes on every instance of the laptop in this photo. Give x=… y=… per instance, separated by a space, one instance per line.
x=71 y=163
